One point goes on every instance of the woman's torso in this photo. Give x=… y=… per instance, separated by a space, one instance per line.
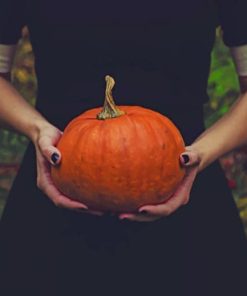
x=157 y=51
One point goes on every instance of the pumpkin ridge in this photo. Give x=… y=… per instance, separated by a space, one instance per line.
x=119 y=165
x=134 y=131
x=158 y=141
x=126 y=150
x=145 y=172
x=155 y=137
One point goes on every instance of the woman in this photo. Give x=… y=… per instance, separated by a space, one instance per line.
x=159 y=54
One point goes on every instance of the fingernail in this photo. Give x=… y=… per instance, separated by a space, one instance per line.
x=54 y=157
x=186 y=158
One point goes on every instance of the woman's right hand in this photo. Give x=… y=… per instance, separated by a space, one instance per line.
x=46 y=155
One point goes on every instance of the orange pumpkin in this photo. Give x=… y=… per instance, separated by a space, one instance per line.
x=119 y=158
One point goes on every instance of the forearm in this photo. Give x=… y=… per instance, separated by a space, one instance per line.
x=227 y=134
x=18 y=114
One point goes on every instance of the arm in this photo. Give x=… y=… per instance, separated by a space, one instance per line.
x=230 y=132
x=227 y=134
x=16 y=113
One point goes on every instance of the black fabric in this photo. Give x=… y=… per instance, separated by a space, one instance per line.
x=13 y=16
x=232 y=17
x=159 y=55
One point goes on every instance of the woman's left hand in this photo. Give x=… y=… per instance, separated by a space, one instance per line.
x=190 y=160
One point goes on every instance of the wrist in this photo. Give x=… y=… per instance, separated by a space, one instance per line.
x=205 y=153
x=37 y=127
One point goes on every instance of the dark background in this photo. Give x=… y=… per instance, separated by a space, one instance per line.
x=223 y=89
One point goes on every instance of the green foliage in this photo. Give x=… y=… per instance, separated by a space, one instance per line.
x=223 y=89
x=13 y=145
x=223 y=86
x=24 y=79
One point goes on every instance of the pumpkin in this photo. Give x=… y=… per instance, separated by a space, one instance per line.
x=117 y=159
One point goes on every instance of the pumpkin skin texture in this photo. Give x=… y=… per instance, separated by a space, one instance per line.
x=121 y=163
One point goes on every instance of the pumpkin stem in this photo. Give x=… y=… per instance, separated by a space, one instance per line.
x=110 y=110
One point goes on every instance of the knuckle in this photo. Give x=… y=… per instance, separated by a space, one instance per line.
x=46 y=151
x=42 y=144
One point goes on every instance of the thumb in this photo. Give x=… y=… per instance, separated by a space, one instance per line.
x=189 y=158
x=50 y=152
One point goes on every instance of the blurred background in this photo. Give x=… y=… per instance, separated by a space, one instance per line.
x=223 y=89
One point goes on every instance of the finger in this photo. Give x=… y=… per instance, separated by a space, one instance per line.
x=185 y=187
x=164 y=209
x=138 y=217
x=180 y=197
x=47 y=186
x=50 y=152
x=61 y=200
x=189 y=158
x=96 y=213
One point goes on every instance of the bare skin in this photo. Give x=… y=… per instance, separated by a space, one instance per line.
x=228 y=133
x=225 y=135
x=18 y=115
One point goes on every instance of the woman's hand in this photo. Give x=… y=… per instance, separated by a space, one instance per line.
x=190 y=160
x=47 y=155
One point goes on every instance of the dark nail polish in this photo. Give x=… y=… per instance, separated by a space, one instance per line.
x=54 y=157
x=186 y=158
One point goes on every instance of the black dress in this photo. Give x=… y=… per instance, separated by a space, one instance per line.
x=159 y=54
